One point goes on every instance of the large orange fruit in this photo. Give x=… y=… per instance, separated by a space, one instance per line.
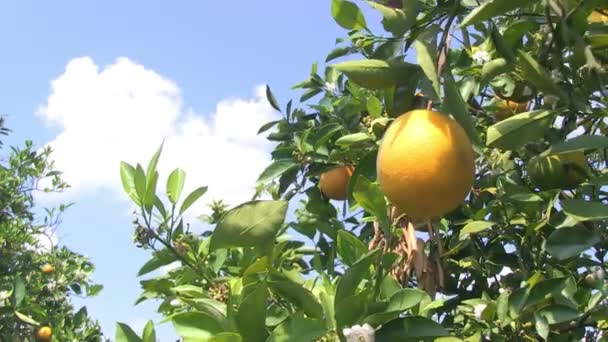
x=44 y=334
x=334 y=183
x=425 y=164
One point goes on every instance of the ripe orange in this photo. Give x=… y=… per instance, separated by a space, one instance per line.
x=508 y=108
x=598 y=17
x=425 y=164
x=334 y=183
x=47 y=268
x=44 y=334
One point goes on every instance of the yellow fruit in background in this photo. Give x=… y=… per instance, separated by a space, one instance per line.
x=334 y=183
x=508 y=108
x=598 y=17
x=44 y=334
x=47 y=268
x=558 y=171
x=425 y=164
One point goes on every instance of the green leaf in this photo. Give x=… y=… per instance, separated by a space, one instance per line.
x=140 y=181
x=597 y=41
x=494 y=68
x=568 y=242
x=350 y=248
x=149 y=332
x=455 y=105
x=558 y=313
x=585 y=210
x=195 y=325
x=124 y=333
x=193 y=197
x=154 y=162
x=298 y=295
x=323 y=134
x=267 y=126
x=27 y=319
x=298 y=329
x=491 y=9
x=253 y=223
x=276 y=169
x=369 y=196
x=150 y=195
x=348 y=283
x=545 y=289
x=408 y=328
x=339 y=52
x=157 y=260
x=175 y=184
x=541 y=325
x=514 y=132
x=473 y=228
x=127 y=177
x=535 y=74
x=251 y=315
x=427 y=58
x=226 y=337
x=352 y=139
x=377 y=73
x=19 y=292
x=374 y=107
x=271 y=99
x=582 y=143
x=399 y=302
x=396 y=20
x=347 y=15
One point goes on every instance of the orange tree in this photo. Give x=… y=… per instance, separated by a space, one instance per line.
x=36 y=282
x=428 y=214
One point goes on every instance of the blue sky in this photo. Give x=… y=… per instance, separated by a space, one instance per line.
x=144 y=71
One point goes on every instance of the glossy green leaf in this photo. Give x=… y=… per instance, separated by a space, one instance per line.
x=350 y=248
x=195 y=325
x=374 y=107
x=427 y=58
x=582 y=143
x=494 y=68
x=267 y=126
x=396 y=20
x=597 y=41
x=298 y=329
x=353 y=139
x=226 y=337
x=541 y=326
x=533 y=72
x=491 y=9
x=568 y=242
x=271 y=99
x=339 y=52
x=514 y=132
x=26 y=319
x=399 y=302
x=348 y=283
x=454 y=104
x=371 y=198
x=253 y=223
x=124 y=333
x=298 y=295
x=474 y=227
x=558 y=313
x=149 y=334
x=348 y=15
x=19 y=292
x=251 y=315
x=192 y=198
x=410 y=328
x=545 y=289
x=175 y=184
x=127 y=177
x=376 y=73
x=276 y=169
x=158 y=259
x=585 y=210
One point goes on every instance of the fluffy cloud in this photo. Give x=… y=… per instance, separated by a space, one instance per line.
x=123 y=111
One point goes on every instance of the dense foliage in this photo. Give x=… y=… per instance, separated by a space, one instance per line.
x=37 y=278
x=522 y=259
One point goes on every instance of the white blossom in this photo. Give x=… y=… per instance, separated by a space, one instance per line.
x=481 y=57
x=358 y=333
x=175 y=302
x=331 y=87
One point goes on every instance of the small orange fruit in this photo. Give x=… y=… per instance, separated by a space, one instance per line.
x=44 y=334
x=47 y=268
x=508 y=108
x=425 y=164
x=598 y=17
x=334 y=183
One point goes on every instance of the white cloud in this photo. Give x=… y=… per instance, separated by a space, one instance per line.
x=122 y=112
